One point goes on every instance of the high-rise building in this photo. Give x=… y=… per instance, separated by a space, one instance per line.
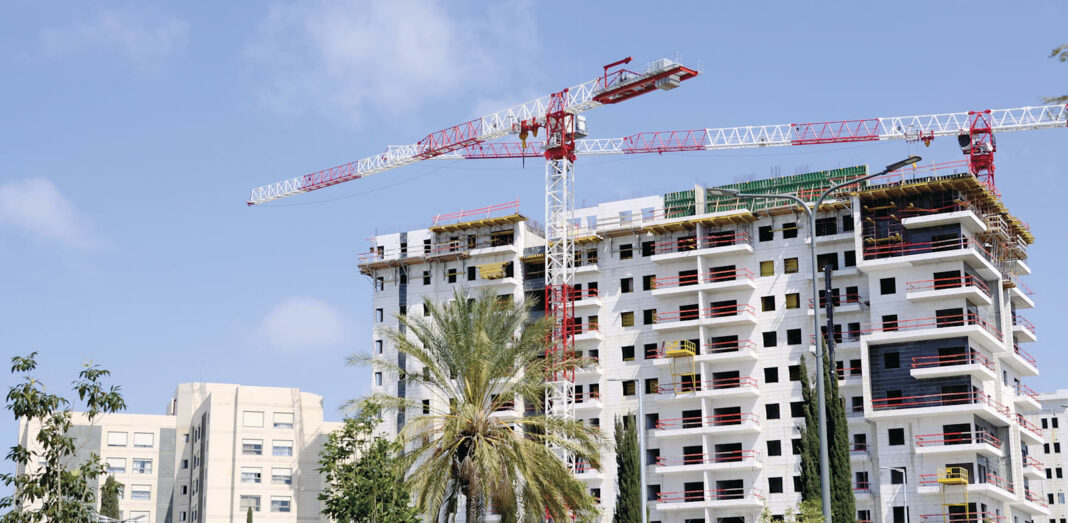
x=217 y=451
x=1050 y=456
x=704 y=304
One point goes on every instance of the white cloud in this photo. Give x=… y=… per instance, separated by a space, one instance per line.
x=143 y=37
x=36 y=205
x=302 y=323
x=348 y=57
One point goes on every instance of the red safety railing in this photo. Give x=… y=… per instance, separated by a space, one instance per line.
x=728 y=494
x=940 y=400
x=848 y=372
x=718 y=347
x=1031 y=427
x=720 y=311
x=1029 y=461
x=917 y=171
x=893 y=250
x=963 y=517
x=954 y=282
x=587 y=396
x=858 y=448
x=1000 y=482
x=1023 y=287
x=732 y=456
x=484 y=212
x=584 y=328
x=583 y=466
x=1024 y=390
x=947 y=360
x=586 y=294
x=718 y=420
x=703 y=242
x=837 y=300
x=861 y=486
x=708 y=277
x=956 y=320
x=1035 y=498
x=692 y=386
x=1023 y=322
x=956 y=438
x=1025 y=355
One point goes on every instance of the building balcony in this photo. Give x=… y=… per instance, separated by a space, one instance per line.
x=838 y=237
x=1033 y=468
x=1029 y=432
x=978 y=331
x=967 y=286
x=963 y=517
x=724 y=351
x=861 y=488
x=587 y=331
x=743 y=386
x=719 y=316
x=588 y=400
x=1021 y=361
x=728 y=280
x=974 y=402
x=716 y=499
x=966 y=218
x=859 y=452
x=979 y=442
x=584 y=470
x=1033 y=503
x=896 y=255
x=992 y=485
x=1023 y=329
x=744 y=422
x=850 y=376
x=713 y=245
x=843 y=304
x=586 y=298
x=585 y=267
x=719 y=461
x=968 y=363
x=1026 y=399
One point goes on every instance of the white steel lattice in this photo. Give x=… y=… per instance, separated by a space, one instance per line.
x=559 y=277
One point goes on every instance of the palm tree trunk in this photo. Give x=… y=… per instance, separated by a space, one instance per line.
x=471 y=492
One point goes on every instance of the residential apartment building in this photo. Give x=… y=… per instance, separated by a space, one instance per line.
x=704 y=304
x=1051 y=417
x=217 y=451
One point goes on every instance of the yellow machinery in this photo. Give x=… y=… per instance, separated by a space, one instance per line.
x=949 y=479
x=683 y=369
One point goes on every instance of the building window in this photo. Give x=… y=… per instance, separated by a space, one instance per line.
x=797 y=409
x=426 y=277
x=826 y=226
x=379 y=345
x=379 y=316
x=426 y=406
x=771 y=339
x=649 y=316
x=793 y=301
x=789 y=230
x=141 y=466
x=789 y=265
x=251 y=418
x=897 y=476
x=626 y=285
x=248 y=502
x=887 y=286
x=767 y=303
x=282 y=448
x=891 y=360
x=775 y=485
x=251 y=474
x=117 y=439
x=849 y=258
x=626 y=251
x=795 y=446
x=896 y=436
x=471 y=274
x=282 y=476
x=795 y=372
x=627 y=319
x=451 y=275
x=767 y=268
x=829 y=259
x=774 y=447
x=252 y=447
x=116 y=465
x=847 y=223
x=185 y=464
x=280 y=503
x=793 y=336
x=283 y=420
x=380 y=283
x=890 y=322
x=629 y=388
x=628 y=352
x=765 y=234
x=771 y=411
x=771 y=374
x=378 y=379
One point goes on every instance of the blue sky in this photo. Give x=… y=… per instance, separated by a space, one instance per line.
x=132 y=132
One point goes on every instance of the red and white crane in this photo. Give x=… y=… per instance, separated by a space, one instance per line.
x=559 y=114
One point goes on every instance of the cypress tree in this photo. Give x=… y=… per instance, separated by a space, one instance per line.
x=810 y=439
x=843 y=499
x=109 y=498
x=248 y=515
x=628 y=473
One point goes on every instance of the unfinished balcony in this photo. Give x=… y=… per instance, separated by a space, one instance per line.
x=973 y=402
x=963 y=517
x=689 y=282
x=1019 y=294
x=946 y=443
x=842 y=303
x=720 y=388
x=690 y=317
x=966 y=286
x=1033 y=468
x=962 y=362
x=584 y=298
x=897 y=255
x=990 y=484
x=1033 y=503
x=585 y=470
x=1021 y=361
x=728 y=423
x=948 y=323
x=1029 y=432
x=1026 y=399
x=717 y=244
x=949 y=214
x=716 y=461
x=589 y=331
x=720 y=351
x=1022 y=329
x=587 y=400
x=723 y=499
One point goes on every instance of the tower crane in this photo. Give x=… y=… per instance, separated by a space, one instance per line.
x=560 y=115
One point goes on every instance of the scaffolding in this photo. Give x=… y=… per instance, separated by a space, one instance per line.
x=953 y=482
x=683 y=368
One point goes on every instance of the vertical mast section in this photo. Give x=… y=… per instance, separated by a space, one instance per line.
x=560 y=261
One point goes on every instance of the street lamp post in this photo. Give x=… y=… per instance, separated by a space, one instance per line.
x=904 y=488
x=825 y=475
x=640 y=425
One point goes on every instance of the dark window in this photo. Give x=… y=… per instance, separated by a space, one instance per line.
x=767 y=303
x=847 y=222
x=764 y=233
x=828 y=259
x=771 y=411
x=626 y=285
x=850 y=258
x=628 y=353
x=775 y=485
x=688 y=278
x=789 y=230
x=949 y=317
x=890 y=322
x=1053 y=422
x=896 y=436
x=771 y=375
x=426 y=406
x=793 y=336
x=797 y=409
x=774 y=447
x=795 y=373
x=648 y=248
x=629 y=387
x=795 y=446
x=650 y=351
x=648 y=316
x=855 y=368
x=857 y=403
x=887 y=286
x=798 y=487
x=626 y=251
x=451 y=275
x=471 y=273
x=648 y=282
x=826 y=226
x=404 y=277
x=900 y=515
x=897 y=476
x=891 y=360
x=426 y=277
x=770 y=339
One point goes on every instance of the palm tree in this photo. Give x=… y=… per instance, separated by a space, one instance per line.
x=478 y=357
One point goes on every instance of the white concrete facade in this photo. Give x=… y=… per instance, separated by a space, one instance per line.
x=737 y=283
x=1052 y=416
x=218 y=449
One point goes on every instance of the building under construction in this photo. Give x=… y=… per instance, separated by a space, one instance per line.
x=703 y=304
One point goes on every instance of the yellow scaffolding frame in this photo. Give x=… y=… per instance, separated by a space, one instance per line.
x=948 y=478
x=681 y=353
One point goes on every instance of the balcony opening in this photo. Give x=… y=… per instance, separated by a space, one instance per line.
x=689 y=382
x=957 y=433
x=829 y=259
x=689 y=312
x=827 y=226
x=718 y=344
x=956 y=394
x=728 y=452
x=726 y=380
x=721 y=309
x=947 y=280
x=729 y=489
x=946 y=242
x=721 y=238
x=949 y=356
x=687 y=243
x=723 y=273
x=687 y=278
x=727 y=416
x=693 y=491
x=691 y=419
x=692 y=455
x=949 y=317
